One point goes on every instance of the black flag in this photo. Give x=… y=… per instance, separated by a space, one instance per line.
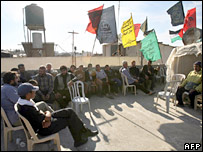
x=107 y=32
x=177 y=14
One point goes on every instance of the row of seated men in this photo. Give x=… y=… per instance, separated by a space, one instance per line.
x=53 y=85
x=11 y=93
x=43 y=119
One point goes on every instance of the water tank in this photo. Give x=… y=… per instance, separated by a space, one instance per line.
x=34 y=17
x=37 y=41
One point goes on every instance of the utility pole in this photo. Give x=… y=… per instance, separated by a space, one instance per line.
x=73 y=52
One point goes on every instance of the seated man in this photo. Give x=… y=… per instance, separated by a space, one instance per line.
x=102 y=82
x=114 y=82
x=148 y=74
x=46 y=86
x=72 y=69
x=40 y=105
x=192 y=84
x=24 y=75
x=9 y=97
x=50 y=70
x=18 y=75
x=80 y=74
x=133 y=81
x=46 y=123
x=90 y=77
x=60 y=86
x=135 y=72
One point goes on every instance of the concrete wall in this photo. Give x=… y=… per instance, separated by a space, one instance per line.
x=135 y=51
x=33 y=63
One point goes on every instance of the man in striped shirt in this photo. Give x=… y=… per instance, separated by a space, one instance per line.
x=46 y=86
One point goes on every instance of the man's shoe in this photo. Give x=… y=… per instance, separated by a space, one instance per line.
x=180 y=105
x=90 y=133
x=151 y=93
x=115 y=94
x=80 y=142
x=109 y=96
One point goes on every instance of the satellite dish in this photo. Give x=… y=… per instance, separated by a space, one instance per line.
x=192 y=35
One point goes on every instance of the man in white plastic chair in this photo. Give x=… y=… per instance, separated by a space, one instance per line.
x=47 y=123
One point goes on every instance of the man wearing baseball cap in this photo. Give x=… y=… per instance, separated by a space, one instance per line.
x=47 y=123
x=192 y=84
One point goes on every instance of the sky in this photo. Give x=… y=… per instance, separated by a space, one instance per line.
x=61 y=17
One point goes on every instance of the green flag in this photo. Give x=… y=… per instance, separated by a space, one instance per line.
x=150 y=47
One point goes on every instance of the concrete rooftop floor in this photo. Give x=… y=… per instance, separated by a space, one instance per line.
x=129 y=123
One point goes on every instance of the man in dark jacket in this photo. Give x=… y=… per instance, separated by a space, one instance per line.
x=61 y=91
x=114 y=82
x=135 y=72
x=90 y=76
x=148 y=75
x=24 y=75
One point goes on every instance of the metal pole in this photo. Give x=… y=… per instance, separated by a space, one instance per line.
x=118 y=50
x=73 y=46
x=93 y=48
x=24 y=25
x=28 y=35
x=73 y=49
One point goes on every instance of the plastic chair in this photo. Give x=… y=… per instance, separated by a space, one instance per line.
x=125 y=84
x=169 y=92
x=197 y=98
x=34 y=138
x=76 y=97
x=178 y=77
x=8 y=128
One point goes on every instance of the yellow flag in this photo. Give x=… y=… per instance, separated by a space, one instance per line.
x=128 y=33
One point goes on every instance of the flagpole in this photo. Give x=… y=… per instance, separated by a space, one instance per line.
x=95 y=37
x=118 y=50
x=93 y=48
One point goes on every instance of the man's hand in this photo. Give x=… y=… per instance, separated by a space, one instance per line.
x=146 y=77
x=43 y=97
x=47 y=97
x=46 y=124
x=47 y=120
x=149 y=72
x=136 y=80
x=70 y=83
x=192 y=90
x=57 y=95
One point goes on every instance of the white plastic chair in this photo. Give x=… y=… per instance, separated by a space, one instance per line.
x=34 y=138
x=8 y=128
x=197 y=98
x=76 y=97
x=178 y=77
x=169 y=92
x=126 y=84
x=170 y=89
